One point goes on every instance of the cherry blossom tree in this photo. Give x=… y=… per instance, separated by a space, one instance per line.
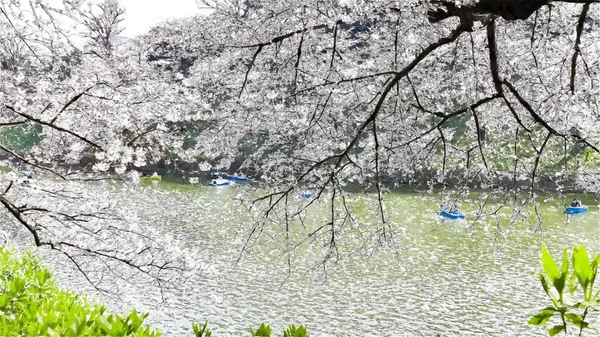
x=315 y=95
x=474 y=93
x=109 y=108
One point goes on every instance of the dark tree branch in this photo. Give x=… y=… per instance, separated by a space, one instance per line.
x=461 y=28
x=443 y=138
x=13 y=123
x=493 y=54
x=314 y=115
x=508 y=10
x=535 y=20
x=353 y=79
x=403 y=73
x=73 y=100
x=280 y=38
x=528 y=107
x=585 y=141
x=335 y=30
x=377 y=177
x=20 y=35
x=31 y=163
x=491 y=36
x=58 y=128
x=297 y=64
x=576 y=53
x=12 y=209
x=479 y=131
x=260 y=46
x=537 y=159
x=515 y=114
x=419 y=105
x=78 y=266
x=450 y=115
x=134 y=139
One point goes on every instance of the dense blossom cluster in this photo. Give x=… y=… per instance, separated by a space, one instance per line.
x=313 y=93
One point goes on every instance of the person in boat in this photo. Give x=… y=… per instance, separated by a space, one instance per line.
x=574 y=202
x=454 y=210
x=30 y=174
x=578 y=202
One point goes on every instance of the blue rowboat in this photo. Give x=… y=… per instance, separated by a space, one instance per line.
x=229 y=177
x=238 y=179
x=305 y=195
x=575 y=210
x=452 y=216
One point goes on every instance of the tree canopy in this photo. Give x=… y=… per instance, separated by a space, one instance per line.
x=309 y=94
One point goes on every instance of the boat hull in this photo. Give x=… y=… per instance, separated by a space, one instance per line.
x=219 y=182
x=238 y=179
x=452 y=215
x=229 y=177
x=577 y=210
x=305 y=195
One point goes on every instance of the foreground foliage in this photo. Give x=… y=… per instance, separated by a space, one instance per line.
x=264 y=330
x=32 y=304
x=573 y=306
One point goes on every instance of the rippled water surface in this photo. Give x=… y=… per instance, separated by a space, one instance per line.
x=451 y=278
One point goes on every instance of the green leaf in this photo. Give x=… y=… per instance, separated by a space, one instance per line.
x=201 y=332
x=581 y=266
x=555 y=330
x=292 y=331
x=544 y=284
x=594 y=271
x=560 y=282
x=549 y=265
x=262 y=331
x=573 y=318
x=542 y=317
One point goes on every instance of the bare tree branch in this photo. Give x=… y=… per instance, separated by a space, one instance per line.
x=576 y=53
x=479 y=134
x=41 y=167
x=58 y=128
x=260 y=47
x=537 y=159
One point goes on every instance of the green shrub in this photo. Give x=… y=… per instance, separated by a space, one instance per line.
x=570 y=305
x=32 y=304
x=264 y=330
x=292 y=331
x=201 y=331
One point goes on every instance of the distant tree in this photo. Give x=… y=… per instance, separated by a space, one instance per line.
x=110 y=112
x=103 y=26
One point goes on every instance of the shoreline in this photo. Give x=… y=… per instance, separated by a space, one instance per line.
x=185 y=170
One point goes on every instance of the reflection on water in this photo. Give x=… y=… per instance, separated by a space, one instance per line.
x=449 y=278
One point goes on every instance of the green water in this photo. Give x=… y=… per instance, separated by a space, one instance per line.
x=453 y=277
x=425 y=276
